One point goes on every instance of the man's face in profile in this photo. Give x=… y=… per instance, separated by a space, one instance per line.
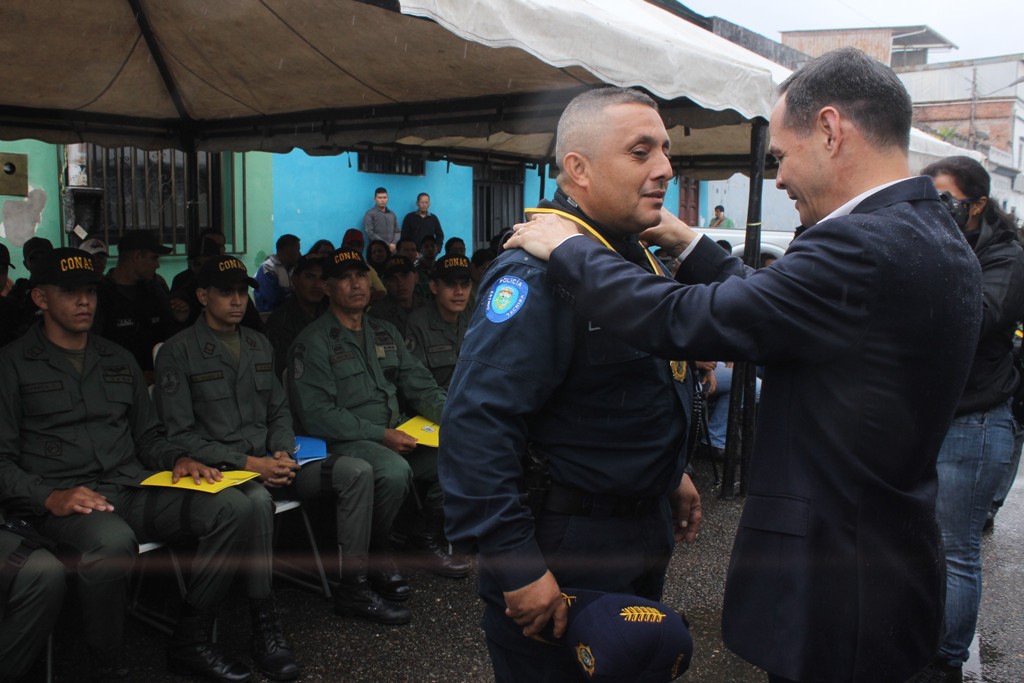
x=803 y=169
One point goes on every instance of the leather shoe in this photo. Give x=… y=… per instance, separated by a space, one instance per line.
x=387 y=581
x=357 y=599
x=270 y=649
x=432 y=552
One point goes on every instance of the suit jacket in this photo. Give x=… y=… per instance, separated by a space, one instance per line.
x=866 y=328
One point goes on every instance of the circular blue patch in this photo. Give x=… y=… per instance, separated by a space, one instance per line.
x=506 y=298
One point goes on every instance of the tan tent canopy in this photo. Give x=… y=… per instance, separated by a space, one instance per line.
x=460 y=78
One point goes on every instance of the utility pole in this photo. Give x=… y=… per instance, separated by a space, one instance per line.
x=974 y=104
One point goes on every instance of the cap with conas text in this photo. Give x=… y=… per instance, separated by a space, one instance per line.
x=223 y=272
x=66 y=267
x=397 y=263
x=450 y=268
x=342 y=260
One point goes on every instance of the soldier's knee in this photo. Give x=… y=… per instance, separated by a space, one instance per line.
x=351 y=473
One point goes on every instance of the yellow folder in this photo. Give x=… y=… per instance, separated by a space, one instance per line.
x=423 y=430
x=230 y=478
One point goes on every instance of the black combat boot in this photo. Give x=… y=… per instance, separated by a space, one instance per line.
x=385 y=578
x=355 y=598
x=270 y=649
x=192 y=651
x=429 y=548
x=109 y=667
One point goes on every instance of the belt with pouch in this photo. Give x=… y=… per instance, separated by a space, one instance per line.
x=569 y=500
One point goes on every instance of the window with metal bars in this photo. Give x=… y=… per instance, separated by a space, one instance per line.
x=145 y=190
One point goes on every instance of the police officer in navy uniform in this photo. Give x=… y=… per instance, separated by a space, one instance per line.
x=219 y=398
x=544 y=403
x=78 y=433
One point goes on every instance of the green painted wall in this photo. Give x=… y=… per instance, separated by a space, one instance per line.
x=43 y=174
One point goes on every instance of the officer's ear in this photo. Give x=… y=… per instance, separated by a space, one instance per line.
x=575 y=166
x=201 y=295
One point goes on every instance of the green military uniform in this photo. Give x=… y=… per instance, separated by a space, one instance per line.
x=390 y=310
x=60 y=428
x=435 y=341
x=29 y=604
x=283 y=326
x=345 y=388
x=221 y=413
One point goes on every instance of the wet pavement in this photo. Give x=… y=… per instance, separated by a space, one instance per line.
x=444 y=642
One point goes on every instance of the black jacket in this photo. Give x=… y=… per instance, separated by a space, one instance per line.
x=993 y=379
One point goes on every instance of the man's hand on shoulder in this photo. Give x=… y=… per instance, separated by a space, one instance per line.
x=79 y=500
x=535 y=604
x=541 y=234
x=672 y=234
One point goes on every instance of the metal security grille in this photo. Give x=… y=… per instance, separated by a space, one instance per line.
x=497 y=201
x=145 y=190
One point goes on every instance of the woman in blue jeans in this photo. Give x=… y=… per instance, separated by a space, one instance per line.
x=978 y=448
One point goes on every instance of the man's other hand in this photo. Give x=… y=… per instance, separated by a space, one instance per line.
x=79 y=500
x=533 y=605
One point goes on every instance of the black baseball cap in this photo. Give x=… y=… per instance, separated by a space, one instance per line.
x=223 y=272
x=342 y=260
x=66 y=267
x=450 y=268
x=397 y=263
x=5 y=256
x=33 y=246
x=306 y=262
x=138 y=240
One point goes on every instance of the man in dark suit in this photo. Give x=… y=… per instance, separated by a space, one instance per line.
x=836 y=573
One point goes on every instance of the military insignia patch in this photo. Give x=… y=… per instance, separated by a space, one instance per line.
x=53 y=448
x=506 y=298
x=209 y=348
x=170 y=382
x=678 y=369
x=250 y=342
x=585 y=658
x=642 y=613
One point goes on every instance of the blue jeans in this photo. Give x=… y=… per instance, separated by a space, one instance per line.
x=972 y=462
x=718 y=418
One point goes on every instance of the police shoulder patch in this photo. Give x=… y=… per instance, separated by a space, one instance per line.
x=170 y=382
x=506 y=298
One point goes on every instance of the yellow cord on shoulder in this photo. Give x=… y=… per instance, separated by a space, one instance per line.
x=589 y=230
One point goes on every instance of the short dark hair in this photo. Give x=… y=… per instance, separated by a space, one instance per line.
x=720 y=208
x=482 y=256
x=380 y=190
x=285 y=242
x=421 y=195
x=453 y=240
x=405 y=239
x=863 y=89
x=426 y=238
x=974 y=181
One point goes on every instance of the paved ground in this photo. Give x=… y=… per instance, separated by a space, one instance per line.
x=444 y=643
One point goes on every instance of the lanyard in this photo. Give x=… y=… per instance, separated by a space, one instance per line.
x=590 y=231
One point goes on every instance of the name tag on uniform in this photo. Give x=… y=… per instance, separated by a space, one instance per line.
x=206 y=377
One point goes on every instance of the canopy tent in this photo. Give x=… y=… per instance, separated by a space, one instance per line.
x=455 y=77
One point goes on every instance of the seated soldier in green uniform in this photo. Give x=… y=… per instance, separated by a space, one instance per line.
x=78 y=434
x=348 y=373
x=400 y=279
x=368 y=486
x=306 y=303
x=434 y=333
x=31 y=594
x=219 y=399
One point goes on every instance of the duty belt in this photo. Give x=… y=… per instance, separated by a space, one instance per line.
x=569 y=500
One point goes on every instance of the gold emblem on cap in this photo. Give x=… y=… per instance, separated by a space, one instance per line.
x=230 y=264
x=76 y=263
x=641 y=613
x=586 y=658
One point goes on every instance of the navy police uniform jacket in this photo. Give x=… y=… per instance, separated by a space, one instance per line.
x=837 y=572
x=609 y=419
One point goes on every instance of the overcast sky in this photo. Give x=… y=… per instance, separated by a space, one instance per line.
x=979 y=28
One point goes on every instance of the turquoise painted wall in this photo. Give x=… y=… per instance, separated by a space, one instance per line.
x=43 y=174
x=322 y=197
